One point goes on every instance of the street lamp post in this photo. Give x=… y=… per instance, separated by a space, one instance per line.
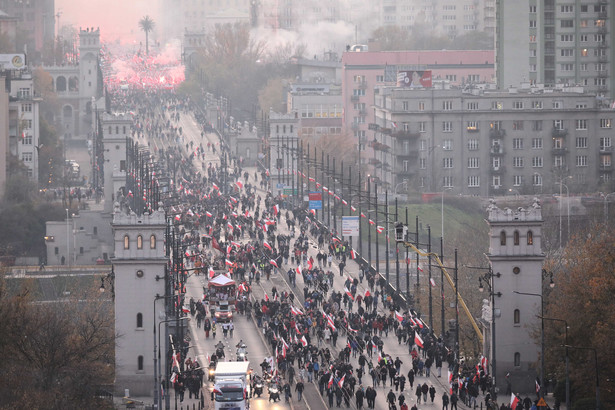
x=167 y=400
x=67 y=241
x=442 y=210
x=597 y=372
x=606 y=208
x=566 y=346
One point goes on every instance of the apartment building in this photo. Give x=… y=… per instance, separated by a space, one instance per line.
x=363 y=71
x=486 y=142
x=556 y=42
x=450 y=17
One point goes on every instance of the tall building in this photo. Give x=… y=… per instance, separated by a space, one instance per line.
x=515 y=256
x=486 y=142
x=4 y=132
x=556 y=42
x=36 y=22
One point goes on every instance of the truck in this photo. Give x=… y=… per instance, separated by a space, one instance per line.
x=232 y=385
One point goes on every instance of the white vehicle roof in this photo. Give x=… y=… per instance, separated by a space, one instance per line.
x=223 y=368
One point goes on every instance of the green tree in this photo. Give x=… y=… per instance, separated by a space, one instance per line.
x=146 y=24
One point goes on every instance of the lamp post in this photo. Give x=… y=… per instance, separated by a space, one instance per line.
x=167 y=400
x=67 y=241
x=606 y=208
x=566 y=346
x=597 y=372
x=156 y=384
x=442 y=211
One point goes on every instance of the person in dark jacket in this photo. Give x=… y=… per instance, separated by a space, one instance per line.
x=359 y=395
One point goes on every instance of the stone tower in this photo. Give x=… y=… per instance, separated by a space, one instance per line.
x=515 y=254
x=139 y=267
x=116 y=131
x=89 y=51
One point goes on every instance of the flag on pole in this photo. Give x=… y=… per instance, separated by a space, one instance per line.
x=432 y=282
x=417 y=340
x=217 y=389
x=330 y=382
x=228 y=262
x=380 y=229
x=344 y=202
x=207 y=213
x=185 y=309
x=341 y=382
x=173 y=379
x=214 y=186
x=276 y=209
x=304 y=341
x=274 y=263
x=353 y=254
x=299 y=270
x=212 y=273
x=514 y=401
x=266 y=245
x=348 y=293
x=399 y=316
x=353 y=209
x=372 y=222
x=239 y=184
x=295 y=311
x=537 y=385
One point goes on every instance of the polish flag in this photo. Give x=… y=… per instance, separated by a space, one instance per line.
x=236 y=244
x=233 y=199
x=484 y=363
x=514 y=401
x=311 y=179
x=267 y=172
x=318 y=185
x=419 y=322
x=267 y=300
x=207 y=213
x=324 y=188
x=330 y=382
x=274 y=263
x=173 y=379
x=450 y=377
x=214 y=186
x=239 y=184
x=299 y=270
x=344 y=202
x=380 y=229
x=353 y=209
x=372 y=222
x=228 y=263
x=363 y=215
x=276 y=209
x=350 y=329
x=332 y=193
x=418 y=341
x=178 y=217
x=266 y=245
x=187 y=254
x=313 y=212
x=348 y=293
x=230 y=225
x=341 y=382
x=217 y=389
x=304 y=341
x=419 y=268
x=295 y=311
x=337 y=197
x=185 y=309
x=399 y=316
x=229 y=248
x=353 y=254
x=247 y=214
x=297 y=328
x=212 y=273
x=433 y=282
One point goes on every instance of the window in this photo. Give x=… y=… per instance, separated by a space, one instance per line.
x=421 y=105
x=139 y=242
x=497 y=105
x=473 y=145
x=518 y=125
x=447 y=181
x=404 y=105
x=584 y=8
x=472 y=126
x=532 y=9
x=126 y=242
x=516 y=317
x=558 y=161
x=567 y=52
x=140 y=363
x=536 y=143
x=56 y=250
x=447 y=105
x=581 y=160
x=558 y=125
x=81 y=250
x=447 y=126
x=537 y=125
x=473 y=162
x=516 y=238
x=532 y=23
x=536 y=162
x=567 y=67
x=605 y=123
x=581 y=124
x=581 y=142
x=447 y=163
x=495 y=125
x=152 y=242
x=567 y=8
x=447 y=145
x=422 y=145
x=473 y=105
x=517 y=360
x=422 y=126
x=139 y=320
x=423 y=163
x=358 y=92
x=605 y=143
x=517 y=143
x=518 y=105
x=557 y=104
x=473 y=181
x=518 y=162
x=537 y=180
x=496 y=181
x=517 y=180
x=503 y=238
x=26 y=156
x=567 y=38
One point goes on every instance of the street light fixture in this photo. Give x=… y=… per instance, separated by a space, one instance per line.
x=566 y=346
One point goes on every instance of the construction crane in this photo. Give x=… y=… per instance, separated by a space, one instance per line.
x=401 y=235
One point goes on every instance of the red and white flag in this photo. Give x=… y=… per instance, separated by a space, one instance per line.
x=353 y=254
x=185 y=309
x=344 y=202
x=233 y=199
x=276 y=209
x=399 y=316
x=380 y=229
x=173 y=379
x=341 y=382
x=214 y=186
x=266 y=245
x=330 y=382
x=299 y=270
x=217 y=389
x=514 y=401
x=484 y=363
x=349 y=293
x=178 y=217
x=295 y=311
x=417 y=340
x=274 y=263
x=304 y=341
x=239 y=184
x=207 y=213
x=212 y=273
x=228 y=262
x=372 y=222
x=353 y=209
x=432 y=282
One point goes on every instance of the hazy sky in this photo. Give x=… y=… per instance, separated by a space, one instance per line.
x=116 y=18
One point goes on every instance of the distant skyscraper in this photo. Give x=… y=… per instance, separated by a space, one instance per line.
x=555 y=42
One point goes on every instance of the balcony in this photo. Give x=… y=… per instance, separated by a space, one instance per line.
x=496 y=150
x=373 y=126
x=559 y=133
x=405 y=173
x=406 y=134
x=374 y=162
x=355 y=97
x=559 y=151
x=495 y=133
x=606 y=150
x=498 y=170
x=606 y=167
x=363 y=112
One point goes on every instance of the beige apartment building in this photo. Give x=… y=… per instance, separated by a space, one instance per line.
x=487 y=142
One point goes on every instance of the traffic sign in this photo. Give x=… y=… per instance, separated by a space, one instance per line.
x=350 y=225
x=541 y=402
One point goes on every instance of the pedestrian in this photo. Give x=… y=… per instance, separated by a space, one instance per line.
x=299 y=389
x=231 y=327
x=287 y=392
x=432 y=393
x=444 y=401
x=359 y=395
x=425 y=390
x=418 y=393
x=225 y=328
x=213 y=329
x=454 y=400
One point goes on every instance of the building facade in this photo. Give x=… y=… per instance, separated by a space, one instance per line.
x=283 y=140
x=486 y=142
x=363 y=72
x=516 y=257
x=556 y=42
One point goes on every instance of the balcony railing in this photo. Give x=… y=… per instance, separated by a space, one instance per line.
x=495 y=133
x=498 y=170
x=606 y=150
x=606 y=167
x=355 y=97
x=559 y=150
x=559 y=133
x=406 y=134
x=498 y=150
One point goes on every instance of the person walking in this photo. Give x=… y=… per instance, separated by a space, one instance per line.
x=299 y=389
x=444 y=401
